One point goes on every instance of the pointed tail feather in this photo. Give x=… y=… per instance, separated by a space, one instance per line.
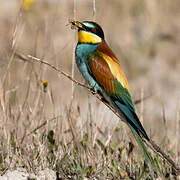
x=132 y=119
x=129 y=116
x=142 y=146
x=136 y=128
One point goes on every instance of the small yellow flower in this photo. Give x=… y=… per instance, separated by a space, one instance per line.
x=45 y=84
x=27 y=4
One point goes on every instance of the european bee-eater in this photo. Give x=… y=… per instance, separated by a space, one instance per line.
x=102 y=70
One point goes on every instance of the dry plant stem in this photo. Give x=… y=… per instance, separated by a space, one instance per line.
x=142 y=99
x=37 y=128
x=70 y=118
x=18 y=30
x=177 y=132
x=151 y=144
x=94 y=10
x=142 y=107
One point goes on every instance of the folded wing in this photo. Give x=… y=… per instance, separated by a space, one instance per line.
x=107 y=72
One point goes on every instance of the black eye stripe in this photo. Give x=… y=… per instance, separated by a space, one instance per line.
x=96 y=29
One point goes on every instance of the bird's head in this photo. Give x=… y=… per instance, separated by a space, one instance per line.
x=88 y=32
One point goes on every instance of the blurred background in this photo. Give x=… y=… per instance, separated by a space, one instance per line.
x=145 y=36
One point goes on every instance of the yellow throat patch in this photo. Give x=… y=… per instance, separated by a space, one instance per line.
x=87 y=37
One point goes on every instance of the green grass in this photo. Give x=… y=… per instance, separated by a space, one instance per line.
x=81 y=158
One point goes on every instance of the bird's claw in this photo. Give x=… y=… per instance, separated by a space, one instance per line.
x=93 y=91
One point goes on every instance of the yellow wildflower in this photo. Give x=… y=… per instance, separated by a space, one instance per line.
x=45 y=84
x=27 y=4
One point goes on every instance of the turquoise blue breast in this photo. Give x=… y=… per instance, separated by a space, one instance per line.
x=82 y=51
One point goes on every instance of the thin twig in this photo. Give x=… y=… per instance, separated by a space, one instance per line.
x=29 y=58
x=151 y=144
x=142 y=99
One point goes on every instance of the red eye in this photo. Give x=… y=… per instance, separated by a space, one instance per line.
x=94 y=29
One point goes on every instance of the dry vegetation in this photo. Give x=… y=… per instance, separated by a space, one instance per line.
x=43 y=127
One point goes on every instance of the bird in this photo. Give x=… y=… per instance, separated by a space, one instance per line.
x=101 y=69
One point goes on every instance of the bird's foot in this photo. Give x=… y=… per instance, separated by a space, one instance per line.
x=95 y=88
x=93 y=91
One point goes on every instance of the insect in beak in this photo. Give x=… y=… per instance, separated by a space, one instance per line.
x=75 y=24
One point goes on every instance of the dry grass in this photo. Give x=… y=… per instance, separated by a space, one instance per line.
x=82 y=138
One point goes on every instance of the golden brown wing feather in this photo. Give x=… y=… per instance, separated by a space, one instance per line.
x=102 y=73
